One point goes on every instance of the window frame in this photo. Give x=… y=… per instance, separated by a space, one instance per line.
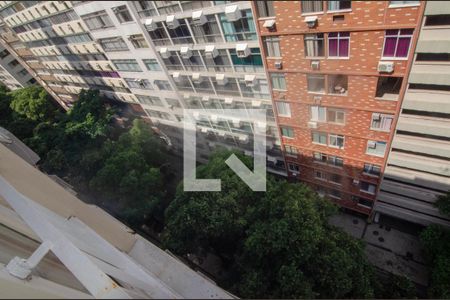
x=319 y=133
x=382 y=118
x=289 y=129
x=154 y=62
x=368 y=185
x=338 y=38
x=336 y=111
x=118 y=10
x=337 y=137
x=398 y=36
x=315 y=40
x=290 y=152
x=272 y=40
x=303 y=13
x=278 y=77
x=286 y=107
x=296 y=166
x=370 y=167
x=376 y=143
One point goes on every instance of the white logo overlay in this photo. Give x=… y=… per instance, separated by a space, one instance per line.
x=256 y=180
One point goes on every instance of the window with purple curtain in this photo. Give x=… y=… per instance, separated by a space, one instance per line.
x=397 y=42
x=338 y=44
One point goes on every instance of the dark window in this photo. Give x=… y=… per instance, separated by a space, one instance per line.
x=437 y=20
x=433 y=87
x=389 y=87
x=433 y=57
x=265 y=8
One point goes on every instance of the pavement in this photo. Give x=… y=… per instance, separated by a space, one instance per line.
x=388 y=249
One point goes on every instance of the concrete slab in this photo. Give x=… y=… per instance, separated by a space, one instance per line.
x=350 y=224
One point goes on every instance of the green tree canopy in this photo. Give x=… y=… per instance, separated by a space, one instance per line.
x=32 y=102
x=443 y=204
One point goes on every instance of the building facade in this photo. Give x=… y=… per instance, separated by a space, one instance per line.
x=418 y=166
x=337 y=72
x=12 y=74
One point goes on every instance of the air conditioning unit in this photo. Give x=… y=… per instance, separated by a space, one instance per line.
x=228 y=100
x=372 y=144
x=242 y=50
x=385 y=67
x=165 y=53
x=269 y=24
x=214 y=119
x=256 y=103
x=176 y=76
x=236 y=123
x=150 y=25
x=171 y=22
x=311 y=21
x=376 y=116
x=243 y=138
x=232 y=13
x=250 y=80
x=211 y=51
x=196 y=78
x=205 y=98
x=312 y=124
x=221 y=79
x=355 y=181
x=279 y=65
x=315 y=65
x=198 y=18
x=185 y=52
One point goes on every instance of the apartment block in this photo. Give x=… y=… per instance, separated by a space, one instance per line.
x=159 y=56
x=337 y=72
x=12 y=74
x=418 y=166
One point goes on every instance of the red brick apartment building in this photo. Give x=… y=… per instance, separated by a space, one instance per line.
x=338 y=73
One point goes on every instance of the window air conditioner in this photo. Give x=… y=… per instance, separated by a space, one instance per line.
x=242 y=50
x=198 y=18
x=150 y=25
x=312 y=124
x=269 y=24
x=243 y=138
x=211 y=51
x=232 y=13
x=171 y=22
x=221 y=79
x=196 y=78
x=311 y=21
x=279 y=65
x=250 y=80
x=185 y=52
x=372 y=144
x=228 y=100
x=376 y=116
x=176 y=76
x=385 y=67
x=165 y=53
x=315 y=65
x=355 y=181
x=256 y=103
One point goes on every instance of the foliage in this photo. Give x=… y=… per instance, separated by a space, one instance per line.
x=436 y=241
x=395 y=286
x=443 y=204
x=32 y=102
x=278 y=243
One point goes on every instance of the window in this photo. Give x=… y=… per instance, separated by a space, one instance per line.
x=208 y=32
x=339 y=5
x=283 y=109
x=138 y=41
x=180 y=34
x=372 y=169
x=294 y=168
x=376 y=148
x=13 y=63
x=397 y=42
x=337 y=84
x=336 y=141
x=240 y=30
x=437 y=20
x=335 y=178
x=320 y=175
x=368 y=187
x=173 y=102
x=402 y=3
x=433 y=57
x=287 y=132
x=127 y=65
x=338 y=44
x=291 y=150
x=149 y=100
x=122 y=14
x=265 y=9
x=320 y=157
x=362 y=202
x=311 y=6
x=388 y=88
x=316 y=83
x=314 y=45
x=381 y=122
x=278 y=81
x=138 y=83
x=97 y=20
x=318 y=114
x=113 y=44
x=272 y=45
x=163 y=85
x=335 y=161
x=319 y=138
x=4 y=53
x=151 y=64
x=335 y=194
x=336 y=116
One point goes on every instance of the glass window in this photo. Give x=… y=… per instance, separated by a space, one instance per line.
x=113 y=44
x=138 y=41
x=372 y=169
x=376 y=148
x=335 y=194
x=278 y=81
x=287 y=132
x=316 y=83
x=180 y=34
x=163 y=85
x=437 y=20
x=388 y=88
x=159 y=35
x=381 y=122
x=338 y=44
x=208 y=32
x=335 y=161
x=335 y=178
x=122 y=14
x=145 y=9
x=265 y=8
x=294 y=167
x=319 y=138
x=339 y=5
x=97 y=20
x=318 y=114
x=336 y=141
x=336 y=116
x=338 y=84
x=283 y=109
x=272 y=46
x=320 y=157
x=314 y=45
x=368 y=187
x=173 y=102
x=138 y=83
x=397 y=42
x=401 y=3
x=251 y=63
x=241 y=30
x=152 y=64
x=320 y=175
x=127 y=65
x=149 y=100
x=290 y=150
x=311 y=6
x=363 y=202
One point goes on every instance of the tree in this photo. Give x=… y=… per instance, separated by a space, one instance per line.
x=278 y=243
x=436 y=241
x=395 y=287
x=443 y=204
x=32 y=102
